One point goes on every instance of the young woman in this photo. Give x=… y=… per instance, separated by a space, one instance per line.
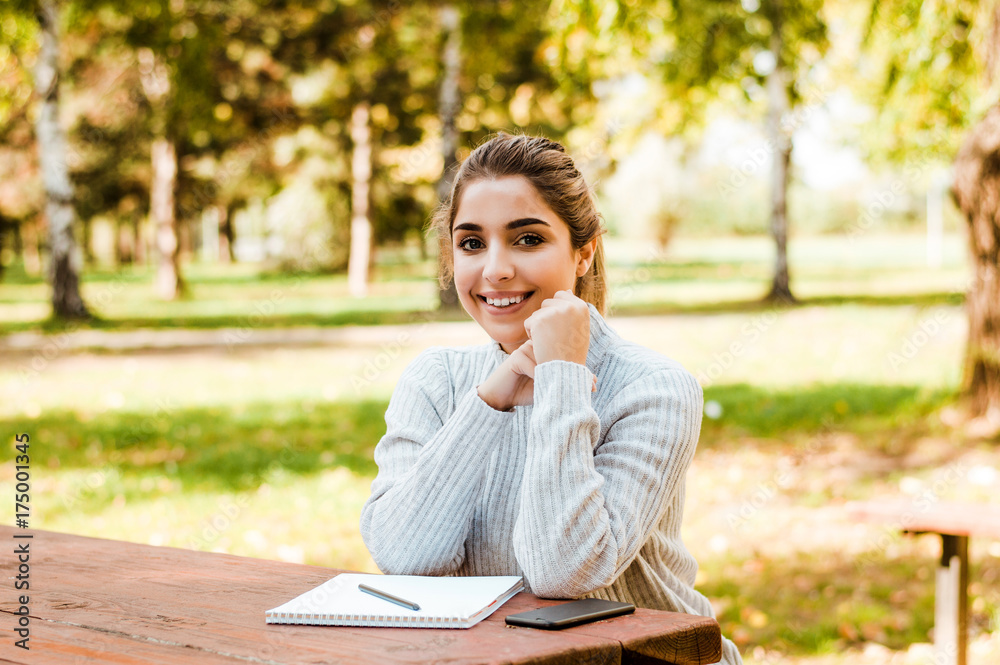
x=558 y=451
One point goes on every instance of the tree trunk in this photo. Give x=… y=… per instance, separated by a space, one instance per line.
x=29 y=246
x=155 y=78
x=977 y=193
x=449 y=105
x=5 y=226
x=64 y=265
x=361 y=226
x=226 y=234
x=139 y=232
x=781 y=143
x=185 y=239
x=164 y=219
x=125 y=241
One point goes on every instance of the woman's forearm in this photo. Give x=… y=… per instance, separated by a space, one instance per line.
x=420 y=510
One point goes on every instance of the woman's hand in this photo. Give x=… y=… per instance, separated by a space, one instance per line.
x=513 y=382
x=560 y=329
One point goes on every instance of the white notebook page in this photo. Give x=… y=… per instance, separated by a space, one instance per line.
x=458 y=599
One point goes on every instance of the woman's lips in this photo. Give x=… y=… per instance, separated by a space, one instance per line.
x=509 y=309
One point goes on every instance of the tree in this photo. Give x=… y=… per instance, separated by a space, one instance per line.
x=935 y=81
x=157 y=84
x=64 y=262
x=361 y=225
x=977 y=192
x=448 y=106
x=701 y=51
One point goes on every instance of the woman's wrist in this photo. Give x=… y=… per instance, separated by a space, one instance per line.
x=491 y=401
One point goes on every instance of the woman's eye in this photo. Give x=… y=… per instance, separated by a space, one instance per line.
x=533 y=241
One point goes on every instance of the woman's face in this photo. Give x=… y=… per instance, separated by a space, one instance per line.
x=508 y=244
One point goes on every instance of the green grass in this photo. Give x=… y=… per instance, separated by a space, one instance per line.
x=835 y=605
x=877 y=412
x=213 y=449
x=230 y=447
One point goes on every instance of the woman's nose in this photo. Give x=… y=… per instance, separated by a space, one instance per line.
x=499 y=265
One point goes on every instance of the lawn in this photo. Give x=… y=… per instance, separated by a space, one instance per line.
x=267 y=451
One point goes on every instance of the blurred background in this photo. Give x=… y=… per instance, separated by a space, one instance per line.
x=214 y=266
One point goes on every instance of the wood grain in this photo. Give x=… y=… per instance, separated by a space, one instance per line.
x=97 y=600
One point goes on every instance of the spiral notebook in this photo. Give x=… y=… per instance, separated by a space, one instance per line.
x=444 y=602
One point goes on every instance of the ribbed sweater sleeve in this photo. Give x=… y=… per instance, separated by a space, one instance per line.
x=585 y=513
x=431 y=465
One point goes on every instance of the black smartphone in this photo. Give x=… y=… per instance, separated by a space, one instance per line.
x=569 y=614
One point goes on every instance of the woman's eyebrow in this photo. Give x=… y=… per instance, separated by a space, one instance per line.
x=516 y=224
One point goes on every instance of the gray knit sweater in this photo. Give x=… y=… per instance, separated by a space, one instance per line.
x=580 y=493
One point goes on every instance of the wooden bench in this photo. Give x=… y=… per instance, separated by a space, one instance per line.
x=955 y=523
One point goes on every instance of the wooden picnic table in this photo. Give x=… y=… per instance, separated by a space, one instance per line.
x=954 y=522
x=99 y=600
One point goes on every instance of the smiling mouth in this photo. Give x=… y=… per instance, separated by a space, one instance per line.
x=509 y=303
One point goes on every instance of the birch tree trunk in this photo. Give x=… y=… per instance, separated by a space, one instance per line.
x=164 y=218
x=361 y=226
x=977 y=193
x=155 y=79
x=64 y=268
x=449 y=105
x=781 y=143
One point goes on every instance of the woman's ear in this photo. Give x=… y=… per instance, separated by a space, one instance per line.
x=585 y=256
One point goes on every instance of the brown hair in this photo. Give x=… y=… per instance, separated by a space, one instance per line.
x=554 y=175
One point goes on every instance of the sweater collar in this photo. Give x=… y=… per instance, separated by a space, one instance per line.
x=601 y=338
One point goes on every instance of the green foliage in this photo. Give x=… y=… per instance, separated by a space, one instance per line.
x=242 y=77
x=925 y=72
x=699 y=50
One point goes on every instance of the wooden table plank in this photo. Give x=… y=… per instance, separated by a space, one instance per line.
x=700 y=642
x=63 y=644
x=952 y=518
x=167 y=605
x=638 y=634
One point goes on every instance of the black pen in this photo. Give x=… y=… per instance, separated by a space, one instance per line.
x=388 y=596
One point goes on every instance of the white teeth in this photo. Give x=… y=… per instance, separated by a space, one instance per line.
x=504 y=302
